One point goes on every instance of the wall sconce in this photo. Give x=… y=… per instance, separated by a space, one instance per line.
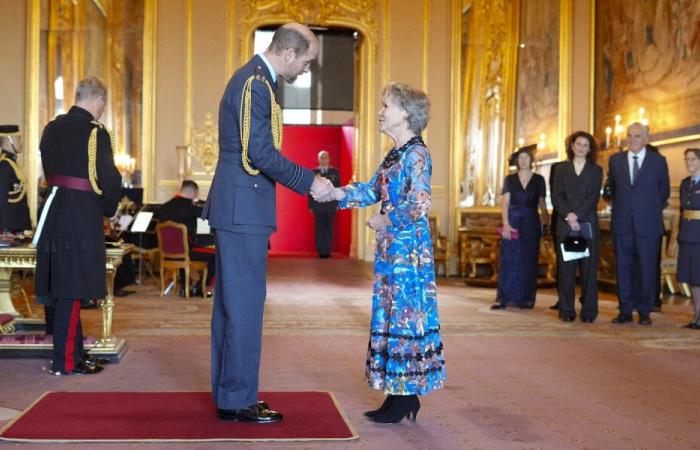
x=126 y=165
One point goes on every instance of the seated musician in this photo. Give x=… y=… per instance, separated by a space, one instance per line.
x=183 y=208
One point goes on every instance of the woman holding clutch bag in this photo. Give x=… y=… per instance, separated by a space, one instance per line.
x=575 y=195
x=523 y=193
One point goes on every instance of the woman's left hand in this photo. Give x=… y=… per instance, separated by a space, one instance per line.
x=379 y=222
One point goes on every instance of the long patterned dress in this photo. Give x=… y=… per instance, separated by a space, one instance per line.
x=405 y=349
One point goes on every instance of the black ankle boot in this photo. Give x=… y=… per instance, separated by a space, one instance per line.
x=387 y=402
x=402 y=406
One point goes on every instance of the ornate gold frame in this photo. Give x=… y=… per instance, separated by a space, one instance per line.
x=356 y=14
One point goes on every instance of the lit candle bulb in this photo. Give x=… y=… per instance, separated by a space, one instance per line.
x=608 y=130
x=641 y=113
x=540 y=145
x=521 y=142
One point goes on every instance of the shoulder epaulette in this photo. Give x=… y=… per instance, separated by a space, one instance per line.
x=21 y=191
x=92 y=154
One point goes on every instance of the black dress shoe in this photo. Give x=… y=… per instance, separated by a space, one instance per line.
x=498 y=306
x=622 y=318
x=80 y=369
x=656 y=308
x=253 y=413
x=94 y=360
x=568 y=318
x=644 y=319
x=587 y=319
x=555 y=306
x=692 y=326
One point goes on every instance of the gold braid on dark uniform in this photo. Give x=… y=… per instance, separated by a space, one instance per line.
x=92 y=155
x=275 y=121
x=21 y=191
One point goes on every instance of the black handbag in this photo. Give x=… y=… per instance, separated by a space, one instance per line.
x=575 y=244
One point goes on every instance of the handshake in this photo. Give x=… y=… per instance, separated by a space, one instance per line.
x=322 y=190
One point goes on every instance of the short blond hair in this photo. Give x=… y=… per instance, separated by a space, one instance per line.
x=414 y=101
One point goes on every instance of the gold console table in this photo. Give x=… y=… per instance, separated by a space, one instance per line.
x=24 y=257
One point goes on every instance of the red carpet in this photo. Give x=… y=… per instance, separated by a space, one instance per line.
x=172 y=416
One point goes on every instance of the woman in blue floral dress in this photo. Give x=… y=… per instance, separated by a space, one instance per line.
x=404 y=357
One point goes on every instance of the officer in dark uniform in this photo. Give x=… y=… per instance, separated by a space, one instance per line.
x=241 y=210
x=324 y=212
x=688 y=270
x=14 y=211
x=76 y=155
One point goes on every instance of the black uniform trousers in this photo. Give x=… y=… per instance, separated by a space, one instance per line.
x=67 y=335
x=588 y=275
x=237 y=316
x=324 y=232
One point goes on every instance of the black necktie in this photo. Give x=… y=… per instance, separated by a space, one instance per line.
x=635 y=169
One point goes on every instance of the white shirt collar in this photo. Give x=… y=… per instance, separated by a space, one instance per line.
x=640 y=156
x=269 y=67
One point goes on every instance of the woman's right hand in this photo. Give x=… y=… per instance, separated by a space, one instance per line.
x=507 y=230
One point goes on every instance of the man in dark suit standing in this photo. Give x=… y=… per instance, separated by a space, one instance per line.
x=77 y=158
x=324 y=213
x=640 y=187
x=241 y=210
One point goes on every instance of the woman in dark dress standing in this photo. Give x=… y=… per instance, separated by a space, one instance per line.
x=523 y=210
x=689 y=232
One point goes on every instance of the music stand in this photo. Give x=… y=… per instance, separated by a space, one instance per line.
x=140 y=225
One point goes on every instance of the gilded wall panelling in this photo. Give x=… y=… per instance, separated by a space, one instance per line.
x=32 y=69
x=148 y=118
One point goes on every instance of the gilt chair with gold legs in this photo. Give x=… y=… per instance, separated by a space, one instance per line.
x=175 y=255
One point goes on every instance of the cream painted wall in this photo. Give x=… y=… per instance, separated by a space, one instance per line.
x=12 y=62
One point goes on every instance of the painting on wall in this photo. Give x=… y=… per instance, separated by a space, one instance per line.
x=537 y=85
x=647 y=67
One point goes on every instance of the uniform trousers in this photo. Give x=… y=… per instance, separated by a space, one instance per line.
x=636 y=260
x=67 y=335
x=324 y=232
x=236 y=324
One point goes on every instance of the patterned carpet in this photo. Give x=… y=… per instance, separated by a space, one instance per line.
x=515 y=379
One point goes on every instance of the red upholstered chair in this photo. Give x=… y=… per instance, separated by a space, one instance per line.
x=175 y=255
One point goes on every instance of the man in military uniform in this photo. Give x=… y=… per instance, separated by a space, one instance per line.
x=324 y=213
x=14 y=211
x=241 y=210
x=76 y=154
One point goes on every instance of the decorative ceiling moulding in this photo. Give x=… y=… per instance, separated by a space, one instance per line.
x=356 y=14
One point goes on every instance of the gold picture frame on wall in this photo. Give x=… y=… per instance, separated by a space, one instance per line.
x=537 y=97
x=647 y=55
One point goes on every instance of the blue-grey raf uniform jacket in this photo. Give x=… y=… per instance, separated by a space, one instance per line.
x=239 y=202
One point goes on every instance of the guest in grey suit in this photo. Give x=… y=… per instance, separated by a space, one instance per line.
x=689 y=232
x=640 y=188
x=241 y=210
x=324 y=213
x=575 y=195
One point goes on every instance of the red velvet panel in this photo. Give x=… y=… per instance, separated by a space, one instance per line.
x=295 y=223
